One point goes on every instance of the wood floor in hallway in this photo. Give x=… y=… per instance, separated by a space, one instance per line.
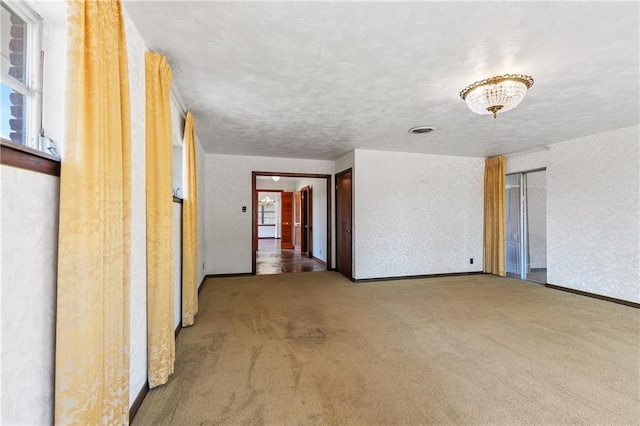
x=307 y=349
x=271 y=259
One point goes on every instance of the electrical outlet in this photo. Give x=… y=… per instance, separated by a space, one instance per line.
x=203 y=266
x=471 y=261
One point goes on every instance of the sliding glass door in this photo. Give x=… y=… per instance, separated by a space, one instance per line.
x=526 y=245
x=536 y=225
x=514 y=225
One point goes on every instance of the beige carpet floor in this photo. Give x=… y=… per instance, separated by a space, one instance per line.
x=315 y=348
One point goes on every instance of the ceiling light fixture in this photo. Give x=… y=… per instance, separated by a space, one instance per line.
x=275 y=178
x=267 y=201
x=500 y=93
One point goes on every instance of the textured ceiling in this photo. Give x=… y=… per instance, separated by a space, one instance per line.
x=318 y=79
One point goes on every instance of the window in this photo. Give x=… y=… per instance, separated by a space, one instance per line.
x=21 y=74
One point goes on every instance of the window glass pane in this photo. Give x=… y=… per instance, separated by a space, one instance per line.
x=13 y=45
x=13 y=118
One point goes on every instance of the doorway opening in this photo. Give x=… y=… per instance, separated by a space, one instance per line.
x=526 y=246
x=291 y=222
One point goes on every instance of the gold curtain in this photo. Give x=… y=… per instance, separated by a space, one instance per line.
x=92 y=327
x=159 y=192
x=494 y=216
x=190 y=227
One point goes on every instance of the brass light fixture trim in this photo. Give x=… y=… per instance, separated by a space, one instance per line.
x=499 y=93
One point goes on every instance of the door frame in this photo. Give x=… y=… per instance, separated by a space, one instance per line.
x=254 y=210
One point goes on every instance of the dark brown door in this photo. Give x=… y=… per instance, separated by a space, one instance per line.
x=307 y=221
x=297 y=221
x=286 y=221
x=343 y=223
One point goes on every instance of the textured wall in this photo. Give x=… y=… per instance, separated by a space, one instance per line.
x=593 y=211
x=284 y=184
x=177 y=138
x=177 y=264
x=228 y=188
x=526 y=162
x=417 y=214
x=345 y=162
x=29 y=237
x=178 y=187
x=201 y=160
x=138 y=290
x=594 y=214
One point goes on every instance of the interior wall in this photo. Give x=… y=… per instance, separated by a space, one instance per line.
x=176 y=153
x=284 y=184
x=29 y=238
x=345 y=162
x=228 y=233
x=202 y=213
x=417 y=214
x=177 y=263
x=138 y=269
x=593 y=211
x=177 y=146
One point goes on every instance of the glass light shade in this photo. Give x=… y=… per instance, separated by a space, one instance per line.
x=275 y=178
x=267 y=201
x=494 y=94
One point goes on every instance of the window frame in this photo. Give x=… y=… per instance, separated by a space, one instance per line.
x=32 y=87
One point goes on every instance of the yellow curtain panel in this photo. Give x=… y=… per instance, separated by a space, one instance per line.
x=92 y=328
x=159 y=192
x=190 y=227
x=494 y=216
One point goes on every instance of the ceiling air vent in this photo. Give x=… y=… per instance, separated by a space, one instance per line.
x=420 y=130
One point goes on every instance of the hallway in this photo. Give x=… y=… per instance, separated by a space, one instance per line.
x=271 y=259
